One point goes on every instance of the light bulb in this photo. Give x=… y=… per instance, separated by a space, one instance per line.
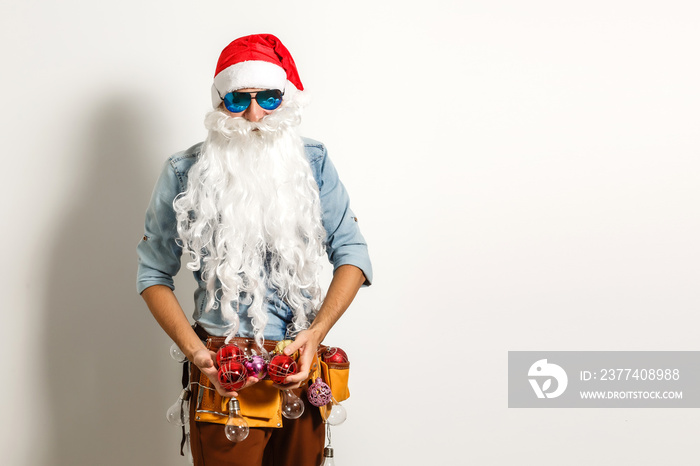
x=179 y=413
x=337 y=414
x=188 y=449
x=177 y=354
x=292 y=406
x=236 y=429
x=328 y=457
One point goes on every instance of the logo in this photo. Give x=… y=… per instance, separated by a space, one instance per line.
x=545 y=372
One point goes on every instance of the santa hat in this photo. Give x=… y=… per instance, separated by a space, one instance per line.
x=257 y=61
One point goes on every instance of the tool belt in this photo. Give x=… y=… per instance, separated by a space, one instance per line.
x=261 y=403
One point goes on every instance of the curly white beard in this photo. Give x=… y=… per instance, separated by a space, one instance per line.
x=251 y=198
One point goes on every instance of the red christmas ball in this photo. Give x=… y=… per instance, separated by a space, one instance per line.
x=280 y=367
x=232 y=375
x=334 y=355
x=229 y=353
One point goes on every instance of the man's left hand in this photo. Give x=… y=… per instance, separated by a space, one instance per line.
x=307 y=342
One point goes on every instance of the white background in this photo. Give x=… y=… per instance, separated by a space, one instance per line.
x=526 y=174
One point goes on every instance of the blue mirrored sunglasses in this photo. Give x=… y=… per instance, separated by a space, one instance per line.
x=237 y=102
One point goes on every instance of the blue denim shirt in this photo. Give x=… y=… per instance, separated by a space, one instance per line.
x=159 y=255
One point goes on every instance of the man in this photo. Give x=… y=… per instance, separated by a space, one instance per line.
x=255 y=207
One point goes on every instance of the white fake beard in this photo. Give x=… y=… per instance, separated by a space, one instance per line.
x=251 y=196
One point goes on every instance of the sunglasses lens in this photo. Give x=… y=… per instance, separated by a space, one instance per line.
x=236 y=102
x=269 y=100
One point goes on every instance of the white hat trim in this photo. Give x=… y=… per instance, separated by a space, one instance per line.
x=248 y=74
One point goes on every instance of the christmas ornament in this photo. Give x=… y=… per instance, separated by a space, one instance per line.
x=228 y=353
x=236 y=428
x=279 y=349
x=187 y=449
x=319 y=393
x=280 y=367
x=179 y=413
x=177 y=354
x=256 y=366
x=334 y=355
x=292 y=406
x=336 y=413
x=232 y=375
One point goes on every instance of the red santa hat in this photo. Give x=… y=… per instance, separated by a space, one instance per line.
x=257 y=61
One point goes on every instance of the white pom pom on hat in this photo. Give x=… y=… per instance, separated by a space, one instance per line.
x=256 y=61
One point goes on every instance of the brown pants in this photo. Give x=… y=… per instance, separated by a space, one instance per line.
x=299 y=442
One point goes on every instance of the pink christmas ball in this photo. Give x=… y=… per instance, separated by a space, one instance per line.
x=280 y=367
x=232 y=375
x=256 y=367
x=319 y=393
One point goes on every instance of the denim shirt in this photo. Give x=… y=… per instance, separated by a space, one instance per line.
x=159 y=255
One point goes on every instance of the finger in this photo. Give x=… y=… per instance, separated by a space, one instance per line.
x=203 y=359
x=210 y=372
x=297 y=378
x=250 y=381
x=287 y=386
x=294 y=346
x=222 y=391
x=203 y=362
x=305 y=363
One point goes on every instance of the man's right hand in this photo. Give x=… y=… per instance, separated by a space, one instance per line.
x=204 y=360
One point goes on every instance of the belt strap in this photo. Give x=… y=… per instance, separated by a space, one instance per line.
x=201 y=333
x=246 y=344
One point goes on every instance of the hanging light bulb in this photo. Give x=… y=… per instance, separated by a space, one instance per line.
x=236 y=429
x=179 y=413
x=292 y=406
x=188 y=449
x=336 y=413
x=328 y=457
x=176 y=353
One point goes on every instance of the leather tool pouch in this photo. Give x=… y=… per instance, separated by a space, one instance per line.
x=261 y=403
x=336 y=376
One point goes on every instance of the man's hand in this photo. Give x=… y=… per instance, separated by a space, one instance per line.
x=167 y=311
x=204 y=360
x=347 y=279
x=306 y=342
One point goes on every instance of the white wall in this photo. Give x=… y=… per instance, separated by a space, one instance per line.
x=527 y=170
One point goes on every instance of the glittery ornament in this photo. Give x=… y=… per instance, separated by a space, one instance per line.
x=279 y=349
x=229 y=353
x=319 y=393
x=256 y=366
x=280 y=367
x=334 y=355
x=232 y=375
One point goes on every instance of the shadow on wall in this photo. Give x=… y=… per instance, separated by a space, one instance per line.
x=109 y=381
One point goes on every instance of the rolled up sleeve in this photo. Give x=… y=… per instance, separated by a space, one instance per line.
x=345 y=244
x=158 y=253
